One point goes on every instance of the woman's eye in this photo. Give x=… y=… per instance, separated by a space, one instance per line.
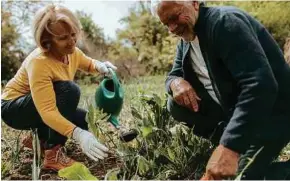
x=73 y=34
x=62 y=37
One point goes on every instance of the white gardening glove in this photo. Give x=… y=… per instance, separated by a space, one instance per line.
x=89 y=144
x=102 y=67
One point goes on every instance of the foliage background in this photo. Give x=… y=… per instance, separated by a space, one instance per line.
x=144 y=53
x=143 y=47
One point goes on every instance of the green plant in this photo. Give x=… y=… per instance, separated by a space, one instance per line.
x=6 y=166
x=77 y=171
x=36 y=155
x=159 y=152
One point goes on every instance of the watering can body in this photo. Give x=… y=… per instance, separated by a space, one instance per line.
x=109 y=97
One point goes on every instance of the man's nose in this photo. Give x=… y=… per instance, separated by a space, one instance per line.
x=172 y=27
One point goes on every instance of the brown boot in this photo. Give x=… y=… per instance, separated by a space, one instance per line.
x=56 y=159
x=27 y=143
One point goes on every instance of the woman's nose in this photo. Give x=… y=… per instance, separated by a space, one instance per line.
x=71 y=41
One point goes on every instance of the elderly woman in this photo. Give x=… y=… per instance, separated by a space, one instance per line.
x=43 y=95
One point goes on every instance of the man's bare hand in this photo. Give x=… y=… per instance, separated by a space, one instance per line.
x=222 y=164
x=184 y=94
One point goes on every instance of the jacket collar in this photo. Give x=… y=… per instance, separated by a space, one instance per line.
x=199 y=27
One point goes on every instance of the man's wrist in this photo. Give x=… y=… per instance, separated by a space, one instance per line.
x=175 y=83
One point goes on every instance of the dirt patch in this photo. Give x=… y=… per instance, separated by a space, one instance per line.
x=22 y=169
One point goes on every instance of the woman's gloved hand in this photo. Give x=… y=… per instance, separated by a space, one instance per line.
x=89 y=144
x=102 y=67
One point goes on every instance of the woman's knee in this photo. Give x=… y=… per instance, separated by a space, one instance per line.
x=79 y=118
x=67 y=92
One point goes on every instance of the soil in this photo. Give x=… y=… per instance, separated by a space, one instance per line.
x=22 y=168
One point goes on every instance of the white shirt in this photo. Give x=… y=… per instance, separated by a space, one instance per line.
x=200 y=68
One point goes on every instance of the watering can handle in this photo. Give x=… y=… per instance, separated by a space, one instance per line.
x=115 y=80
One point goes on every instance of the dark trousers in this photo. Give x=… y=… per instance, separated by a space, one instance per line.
x=210 y=121
x=21 y=113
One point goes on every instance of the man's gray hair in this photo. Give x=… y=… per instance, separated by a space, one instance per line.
x=156 y=3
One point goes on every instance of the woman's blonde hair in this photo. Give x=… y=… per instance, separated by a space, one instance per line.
x=48 y=15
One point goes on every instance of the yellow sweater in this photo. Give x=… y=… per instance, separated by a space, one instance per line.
x=37 y=74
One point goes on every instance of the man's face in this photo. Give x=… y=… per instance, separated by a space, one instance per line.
x=64 y=38
x=179 y=18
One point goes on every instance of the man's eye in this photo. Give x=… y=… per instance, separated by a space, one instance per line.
x=73 y=34
x=172 y=18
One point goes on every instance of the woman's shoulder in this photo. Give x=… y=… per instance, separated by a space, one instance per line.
x=35 y=58
x=36 y=54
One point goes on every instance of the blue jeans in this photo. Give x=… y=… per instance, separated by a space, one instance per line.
x=21 y=114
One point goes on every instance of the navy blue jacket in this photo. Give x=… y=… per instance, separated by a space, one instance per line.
x=248 y=71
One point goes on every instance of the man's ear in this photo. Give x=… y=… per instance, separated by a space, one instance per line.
x=195 y=5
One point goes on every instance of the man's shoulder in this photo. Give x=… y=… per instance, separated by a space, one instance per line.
x=225 y=10
x=226 y=17
x=219 y=13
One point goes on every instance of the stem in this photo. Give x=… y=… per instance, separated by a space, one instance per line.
x=110 y=138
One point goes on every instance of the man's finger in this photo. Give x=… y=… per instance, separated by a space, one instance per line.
x=193 y=102
x=186 y=100
x=207 y=176
x=196 y=96
x=179 y=100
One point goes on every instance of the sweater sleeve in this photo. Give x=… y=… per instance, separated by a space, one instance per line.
x=85 y=63
x=43 y=95
x=240 y=50
x=176 y=71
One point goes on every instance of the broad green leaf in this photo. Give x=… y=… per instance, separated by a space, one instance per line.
x=143 y=165
x=77 y=171
x=112 y=174
x=146 y=131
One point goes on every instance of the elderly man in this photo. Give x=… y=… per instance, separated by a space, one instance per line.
x=231 y=82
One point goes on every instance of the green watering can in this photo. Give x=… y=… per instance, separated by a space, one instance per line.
x=109 y=97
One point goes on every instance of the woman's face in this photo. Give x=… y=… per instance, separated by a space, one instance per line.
x=63 y=40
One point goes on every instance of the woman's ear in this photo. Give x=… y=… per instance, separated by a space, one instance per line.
x=46 y=44
x=46 y=40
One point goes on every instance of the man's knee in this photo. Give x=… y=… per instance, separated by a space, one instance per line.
x=180 y=113
x=67 y=93
x=207 y=123
x=174 y=109
x=260 y=166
